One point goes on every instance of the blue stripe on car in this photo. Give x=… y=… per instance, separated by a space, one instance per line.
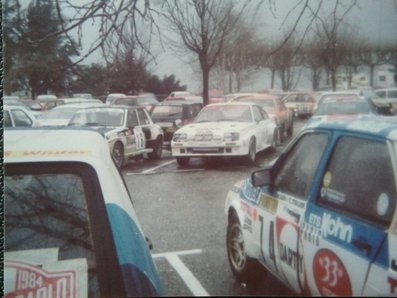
x=133 y=253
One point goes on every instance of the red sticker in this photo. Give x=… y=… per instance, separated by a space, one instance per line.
x=330 y=274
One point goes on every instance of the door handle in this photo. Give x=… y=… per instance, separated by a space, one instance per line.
x=363 y=245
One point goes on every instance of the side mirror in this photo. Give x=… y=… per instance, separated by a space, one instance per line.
x=261 y=178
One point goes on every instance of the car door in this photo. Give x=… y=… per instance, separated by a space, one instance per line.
x=346 y=225
x=281 y=208
x=135 y=137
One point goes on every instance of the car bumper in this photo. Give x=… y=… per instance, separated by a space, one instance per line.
x=186 y=149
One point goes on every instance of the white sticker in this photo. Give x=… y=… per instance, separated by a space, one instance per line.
x=383 y=204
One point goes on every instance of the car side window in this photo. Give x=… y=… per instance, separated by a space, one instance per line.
x=360 y=180
x=296 y=173
x=132 y=119
x=258 y=116
x=47 y=215
x=7 y=119
x=143 y=118
x=20 y=118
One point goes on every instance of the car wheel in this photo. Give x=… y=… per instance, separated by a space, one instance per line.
x=276 y=140
x=118 y=155
x=182 y=161
x=244 y=268
x=251 y=156
x=157 y=149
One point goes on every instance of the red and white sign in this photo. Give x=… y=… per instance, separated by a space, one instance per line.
x=26 y=280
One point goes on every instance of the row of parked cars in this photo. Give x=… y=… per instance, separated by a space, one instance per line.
x=321 y=217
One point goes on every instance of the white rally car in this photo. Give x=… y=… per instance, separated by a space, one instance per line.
x=129 y=131
x=226 y=129
x=70 y=226
x=322 y=217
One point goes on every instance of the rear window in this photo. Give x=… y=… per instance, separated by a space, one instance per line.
x=49 y=238
x=167 y=112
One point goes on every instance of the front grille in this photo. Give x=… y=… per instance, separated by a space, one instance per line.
x=206 y=150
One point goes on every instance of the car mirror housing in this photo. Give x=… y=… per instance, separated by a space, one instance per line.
x=261 y=178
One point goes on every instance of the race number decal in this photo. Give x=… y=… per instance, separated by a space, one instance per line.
x=139 y=138
x=27 y=280
x=330 y=274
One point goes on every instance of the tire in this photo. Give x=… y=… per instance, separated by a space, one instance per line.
x=276 y=140
x=182 y=161
x=118 y=155
x=157 y=149
x=244 y=268
x=251 y=156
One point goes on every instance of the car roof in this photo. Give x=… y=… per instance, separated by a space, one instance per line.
x=382 y=126
x=237 y=103
x=53 y=144
x=113 y=107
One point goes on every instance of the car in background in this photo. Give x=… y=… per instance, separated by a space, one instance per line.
x=113 y=96
x=179 y=93
x=136 y=100
x=366 y=92
x=235 y=96
x=276 y=109
x=129 y=131
x=342 y=106
x=321 y=217
x=10 y=97
x=50 y=103
x=18 y=116
x=225 y=130
x=77 y=100
x=70 y=227
x=390 y=95
x=61 y=115
x=301 y=103
x=191 y=98
x=43 y=97
x=172 y=115
x=83 y=95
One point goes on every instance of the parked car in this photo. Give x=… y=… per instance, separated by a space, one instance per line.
x=191 y=98
x=61 y=115
x=322 y=217
x=70 y=227
x=130 y=131
x=172 y=115
x=225 y=129
x=136 y=100
x=235 y=96
x=302 y=104
x=74 y=100
x=337 y=106
x=276 y=109
x=83 y=95
x=390 y=95
x=179 y=93
x=113 y=96
x=43 y=97
x=18 y=116
x=50 y=103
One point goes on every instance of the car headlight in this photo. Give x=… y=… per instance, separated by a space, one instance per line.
x=179 y=137
x=231 y=136
x=178 y=122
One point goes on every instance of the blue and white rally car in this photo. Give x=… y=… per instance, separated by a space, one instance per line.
x=322 y=217
x=70 y=225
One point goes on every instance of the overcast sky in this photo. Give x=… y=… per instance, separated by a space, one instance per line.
x=374 y=19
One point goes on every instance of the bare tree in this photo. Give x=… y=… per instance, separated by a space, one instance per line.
x=203 y=26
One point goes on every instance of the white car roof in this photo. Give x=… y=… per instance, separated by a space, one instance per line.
x=46 y=144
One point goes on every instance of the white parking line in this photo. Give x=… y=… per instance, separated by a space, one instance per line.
x=187 y=276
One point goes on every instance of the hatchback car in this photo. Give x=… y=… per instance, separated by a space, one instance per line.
x=302 y=104
x=70 y=226
x=173 y=115
x=130 y=131
x=322 y=217
x=225 y=130
x=136 y=100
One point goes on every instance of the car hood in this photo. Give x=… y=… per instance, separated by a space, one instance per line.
x=53 y=122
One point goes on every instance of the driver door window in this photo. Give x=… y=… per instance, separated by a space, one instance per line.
x=296 y=173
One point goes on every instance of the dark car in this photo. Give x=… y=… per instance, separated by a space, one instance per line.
x=171 y=115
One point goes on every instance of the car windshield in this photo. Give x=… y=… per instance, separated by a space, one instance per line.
x=167 y=112
x=241 y=113
x=344 y=107
x=267 y=104
x=98 y=117
x=129 y=101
